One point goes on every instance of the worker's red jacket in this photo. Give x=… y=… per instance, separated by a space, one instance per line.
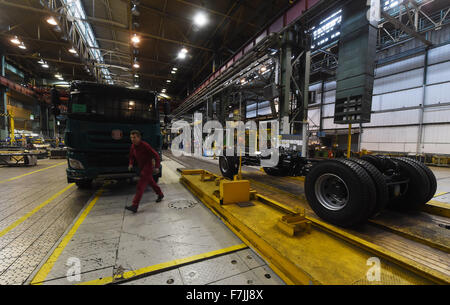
x=144 y=154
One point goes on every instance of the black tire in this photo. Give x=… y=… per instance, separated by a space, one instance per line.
x=360 y=192
x=228 y=167
x=375 y=161
x=273 y=171
x=382 y=198
x=85 y=184
x=430 y=175
x=418 y=187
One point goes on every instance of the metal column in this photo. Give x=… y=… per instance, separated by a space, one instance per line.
x=305 y=137
x=3 y=107
x=286 y=74
x=422 y=106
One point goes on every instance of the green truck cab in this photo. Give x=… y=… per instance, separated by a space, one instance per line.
x=99 y=121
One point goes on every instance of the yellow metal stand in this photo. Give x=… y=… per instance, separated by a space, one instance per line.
x=349 y=144
x=301 y=249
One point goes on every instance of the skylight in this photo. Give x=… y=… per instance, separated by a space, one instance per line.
x=75 y=9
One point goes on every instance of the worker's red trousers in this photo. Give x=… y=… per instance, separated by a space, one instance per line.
x=146 y=178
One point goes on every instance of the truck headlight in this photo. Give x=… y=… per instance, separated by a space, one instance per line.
x=75 y=164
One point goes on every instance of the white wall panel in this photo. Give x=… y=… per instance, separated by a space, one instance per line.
x=438 y=73
x=400 y=81
x=329 y=124
x=405 y=117
x=438 y=94
x=437 y=134
x=439 y=54
x=437 y=115
x=394 y=100
x=328 y=110
x=314 y=118
x=401 y=66
x=330 y=86
x=396 y=139
x=329 y=97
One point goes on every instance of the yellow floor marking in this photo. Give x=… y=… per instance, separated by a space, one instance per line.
x=40 y=170
x=440 y=194
x=35 y=210
x=47 y=267
x=174 y=263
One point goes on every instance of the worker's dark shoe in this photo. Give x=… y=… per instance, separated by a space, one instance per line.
x=160 y=198
x=132 y=208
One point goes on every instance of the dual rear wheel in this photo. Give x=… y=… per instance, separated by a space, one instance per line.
x=347 y=192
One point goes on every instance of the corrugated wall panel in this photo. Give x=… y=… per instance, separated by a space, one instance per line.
x=438 y=94
x=396 y=139
x=399 y=81
x=439 y=54
x=437 y=115
x=437 y=139
x=401 y=66
x=407 y=98
x=406 y=117
x=314 y=118
x=438 y=73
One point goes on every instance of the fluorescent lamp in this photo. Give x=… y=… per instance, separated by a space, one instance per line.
x=51 y=21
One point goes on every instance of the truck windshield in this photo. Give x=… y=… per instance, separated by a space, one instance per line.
x=104 y=107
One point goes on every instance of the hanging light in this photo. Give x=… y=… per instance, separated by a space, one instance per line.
x=200 y=19
x=135 y=39
x=52 y=21
x=136 y=64
x=135 y=10
x=169 y=81
x=73 y=51
x=15 y=40
x=175 y=69
x=22 y=46
x=183 y=53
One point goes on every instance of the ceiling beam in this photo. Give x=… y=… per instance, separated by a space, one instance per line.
x=108 y=24
x=405 y=28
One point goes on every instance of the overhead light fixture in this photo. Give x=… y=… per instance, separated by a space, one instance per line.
x=136 y=64
x=22 y=46
x=136 y=86
x=183 y=53
x=15 y=40
x=136 y=76
x=200 y=19
x=175 y=69
x=135 y=39
x=169 y=81
x=51 y=21
x=174 y=72
x=73 y=51
x=135 y=10
x=163 y=90
x=263 y=69
x=45 y=66
x=41 y=62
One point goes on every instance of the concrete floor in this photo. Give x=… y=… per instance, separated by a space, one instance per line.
x=46 y=224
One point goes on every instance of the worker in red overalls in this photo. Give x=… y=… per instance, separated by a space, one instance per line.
x=144 y=154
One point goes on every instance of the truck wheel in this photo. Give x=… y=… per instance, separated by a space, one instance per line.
x=375 y=161
x=380 y=185
x=430 y=175
x=85 y=184
x=228 y=167
x=339 y=192
x=418 y=187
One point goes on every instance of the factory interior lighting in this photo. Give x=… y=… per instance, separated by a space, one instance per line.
x=15 y=40
x=136 y=64
x=183 y=53
x=169 y=81
x=73 y=51
x=200 y=19
x=51 y=21
x=22 y=46
x=135 y=39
